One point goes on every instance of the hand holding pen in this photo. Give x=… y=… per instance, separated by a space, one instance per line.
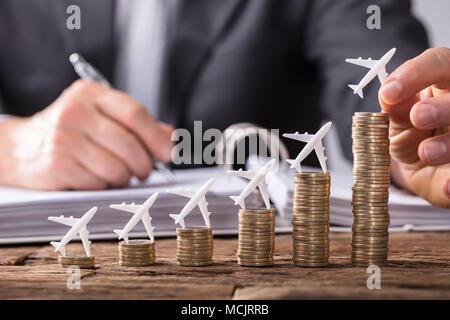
x=91 y=137
x=88 y=72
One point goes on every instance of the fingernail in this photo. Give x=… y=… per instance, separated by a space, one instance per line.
x=434 y=151
x=447 y=188
x=426 y=115
x=391 y=91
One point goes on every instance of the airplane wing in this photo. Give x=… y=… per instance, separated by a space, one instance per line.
x=263 y=187
x=188 y=193
x=203 y=205
x=299 y=137
x=243 y=174
x=319 y=149
x=148 y=225
x=84 y=236
x=382 y=75
x=70 y=221
x=133 y=208
x=363 y=62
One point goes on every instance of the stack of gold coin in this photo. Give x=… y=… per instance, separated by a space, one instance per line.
x=82 y=261
x=311 y=215
x=256 y=237
x=194 y=246
x=136 y=253
x=371 y=176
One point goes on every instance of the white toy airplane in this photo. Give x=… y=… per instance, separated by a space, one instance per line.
x=78 y=227
x=197 y=198
x=377 y=67
x=314 y=142
x=256 y=180
x=140 y=213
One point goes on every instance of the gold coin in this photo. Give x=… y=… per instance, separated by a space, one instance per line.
x=370 y=122
x=268 y=220
x=366 y=222
x=303 y=235
x=359 y=127
x=255 y=218
x=312 y=227
x=317 y=196
x=245 y=263
x=369 y=250
x=377 y=115
x=192 y=229
x=249 y=230
x=92 y=266
x=192 y=244
x=254 y=235
x=136 y=249
x=369 y=239
x=194 y=264
x=314 y=252
x=316 y=208
x=373 y=259
x=255 y=242
x=311 y=209
x=194 y=258
x=138 y=262
x=254 y=256
x=257 y=260
x=136 y=243
x=255 y=247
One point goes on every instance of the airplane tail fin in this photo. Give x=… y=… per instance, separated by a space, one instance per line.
x=238 y=201
x=118 y=232
x=177 y=219
x=295 y=165
x=56 y=244
x=356 y=90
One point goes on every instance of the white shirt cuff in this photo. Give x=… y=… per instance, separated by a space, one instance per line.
x=4 y=117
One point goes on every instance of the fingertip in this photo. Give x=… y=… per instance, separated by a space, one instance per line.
x=391 y=91
x=166 y=152
x=424 y=116
x=432 y=152
x=446 y=188
x=144 y=178
x=167 y=128
x=147 y=170
x=421 y=152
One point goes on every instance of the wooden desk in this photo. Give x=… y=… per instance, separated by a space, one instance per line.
x=419 y=268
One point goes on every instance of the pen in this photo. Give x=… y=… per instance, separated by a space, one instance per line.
x=88 y=72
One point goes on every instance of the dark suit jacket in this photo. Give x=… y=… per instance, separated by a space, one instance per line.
x=277 y=63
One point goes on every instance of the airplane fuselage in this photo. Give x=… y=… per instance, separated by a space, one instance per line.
x=138 y=215
x=195 y=200
x=133 y=221
x=376 y=69
x=76 y=228
x=251 y=186
x=312 y=143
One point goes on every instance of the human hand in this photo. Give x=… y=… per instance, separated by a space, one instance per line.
x=417 y=96
x=90 y=137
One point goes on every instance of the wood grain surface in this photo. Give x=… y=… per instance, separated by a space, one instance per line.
x=419 y=268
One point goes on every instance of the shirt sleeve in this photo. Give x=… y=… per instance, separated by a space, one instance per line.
x=336 y=30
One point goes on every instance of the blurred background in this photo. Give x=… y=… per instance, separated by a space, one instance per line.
x=434 y=14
